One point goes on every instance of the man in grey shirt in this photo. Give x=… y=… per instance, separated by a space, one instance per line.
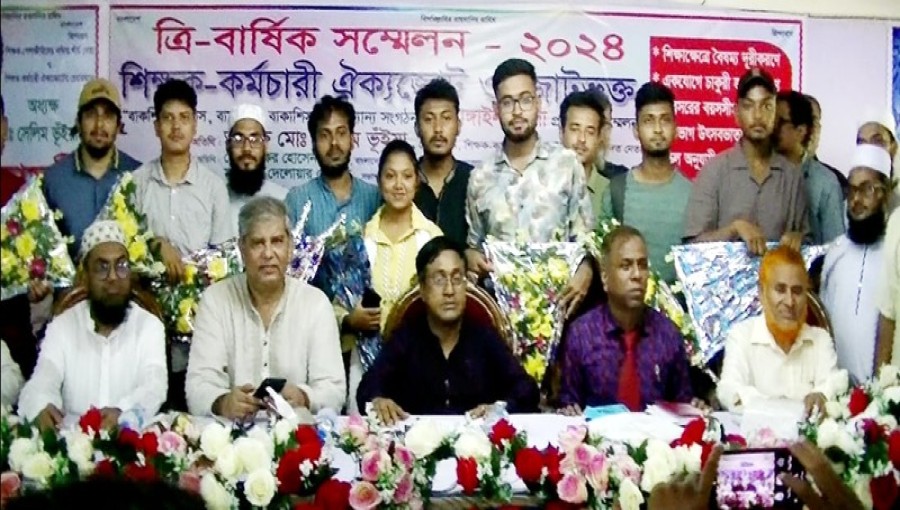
x=749 y=192
x=186 y=203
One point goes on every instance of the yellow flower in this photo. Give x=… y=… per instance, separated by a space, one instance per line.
x=651 y=290
x=137 y=251
x=185 y=307
x=8 y=259
x=558 y=269
x=129 y=227
x=22 y=273
x=535 y=276
x=183 y=325
x=535 y=365
x=119 y=202
x=218 y=268
x=60 y=263
x=31 y=211
x=546 y=329
x=190 y=272
x=25 y=245
x=4 y=232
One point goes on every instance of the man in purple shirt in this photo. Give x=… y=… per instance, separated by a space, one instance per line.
x=623 y=351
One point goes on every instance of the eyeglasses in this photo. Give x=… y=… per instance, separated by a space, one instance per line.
x=440 y=280
x=121 y=268
x=238 y=140
x=525 y=103
x=867 y=190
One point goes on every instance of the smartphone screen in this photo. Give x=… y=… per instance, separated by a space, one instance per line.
x=749 y=479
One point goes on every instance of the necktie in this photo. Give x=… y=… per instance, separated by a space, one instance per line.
x=629 y=381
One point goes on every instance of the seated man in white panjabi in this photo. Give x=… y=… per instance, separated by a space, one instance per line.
x=103 y=352
x=262 y=324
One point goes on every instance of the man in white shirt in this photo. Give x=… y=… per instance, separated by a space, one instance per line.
x=852 y=271
x=10 y=377
x=262 y=324
x=888 y=350
x=103 y=352
x=247 y=158
x=776 y=355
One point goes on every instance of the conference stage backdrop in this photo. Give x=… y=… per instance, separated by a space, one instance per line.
x=287 y=57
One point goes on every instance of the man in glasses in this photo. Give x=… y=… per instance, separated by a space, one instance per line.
x=441 y=362
x=880 y=129
x=529 y=190
x=102 y=352
x=247 y=158
x=853 y=269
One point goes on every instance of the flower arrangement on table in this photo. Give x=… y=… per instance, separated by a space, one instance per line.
x=121 y=207
x=528 y=281
x=31 y=245
x=483 y=458
x=860 y=436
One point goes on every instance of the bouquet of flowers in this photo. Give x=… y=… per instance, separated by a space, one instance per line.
x=861 y=438
x=528 y=279
x=482 y=458
x=121 y=207
x=31 y=246
x=721 y=286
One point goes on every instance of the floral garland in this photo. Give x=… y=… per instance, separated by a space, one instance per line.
x=121 y=207
x=860 y=436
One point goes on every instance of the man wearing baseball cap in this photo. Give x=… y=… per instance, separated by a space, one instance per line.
x=79 y=183
x=853 y=269
x=247 y=158
x=750 y=192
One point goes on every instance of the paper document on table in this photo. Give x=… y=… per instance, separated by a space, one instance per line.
x=634 y=427
x=773 y=418
x=678 y=412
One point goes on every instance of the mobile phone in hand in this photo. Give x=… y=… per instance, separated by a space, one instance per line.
x=751 y=479
x=370 y=298
x=270 y=382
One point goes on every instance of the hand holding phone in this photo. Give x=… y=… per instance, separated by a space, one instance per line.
x=370 y=298
x=270 y=382
x=752 y=479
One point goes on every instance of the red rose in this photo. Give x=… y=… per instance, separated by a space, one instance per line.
x=307 y=434
x=693 y=432
x=859 y=401
x=307 y=506
x=894 y=448
x=13 y=227
x=884 y=492
x=552 y=459
x=149 y=444
x=333 y=495
x=467 y=475
x=557 y=504
x=706 y=450
x=310 y=451
x=138 y=473
x=38 y=268
x=735 y=439
x=130 y=438
x=288 y=472
x=104 y=469
x=91 y=421
x=502 y=431
x=873 y=431
x=10 y=483
x=529 y=465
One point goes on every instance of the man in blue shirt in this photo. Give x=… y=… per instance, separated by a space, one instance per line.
x=79 y=183
x=336 y=191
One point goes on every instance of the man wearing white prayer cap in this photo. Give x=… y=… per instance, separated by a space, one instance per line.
x=852 y=272
x=102 y=352
x=247 y=158
x=878 y=127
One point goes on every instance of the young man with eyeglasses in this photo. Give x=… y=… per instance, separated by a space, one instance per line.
x=103 y=352
x=441 y=362
x=247 y=158
x=853 y=269
x=530 y=191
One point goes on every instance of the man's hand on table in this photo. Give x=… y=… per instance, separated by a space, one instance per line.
x=832 y=491
x=50 y=418
x=570 y=410
x=239 y=404
x=388 y=411
x=295 y=396
x=692 y=493
x=480 y=411
x=815 y=405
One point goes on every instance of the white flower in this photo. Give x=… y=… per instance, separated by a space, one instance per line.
x=889 y=377
x=688 y=458
x=660 y=464
x=892 y=394
x=835 y=409
x=424 y=437
x=80 y=450
x=259 y=487
x=887 y=421
x=630 y=497
x=39 y=467
x=19 y=450
x=252 y=453
x=473 y=443
x=214 y=438
x=228 y=464
x=850 y=444
x=827 y=433
x=282 y=431
x=214 y=493
x=861 y=488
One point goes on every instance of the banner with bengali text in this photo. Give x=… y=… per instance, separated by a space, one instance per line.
x=286 y=58
x=48 y=55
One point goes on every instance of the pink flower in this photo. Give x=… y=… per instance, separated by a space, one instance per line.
x=598 y=472
x=190 y=481
x=583 y=455
x=9 y=486
x=371 y=443
x=573 y=436
x=404 y=457
x=357 y=428
x=627 y=467
x=572 y=489
x=404 y=490
x=374 y=463
x=364 y=496
x=171 y=443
